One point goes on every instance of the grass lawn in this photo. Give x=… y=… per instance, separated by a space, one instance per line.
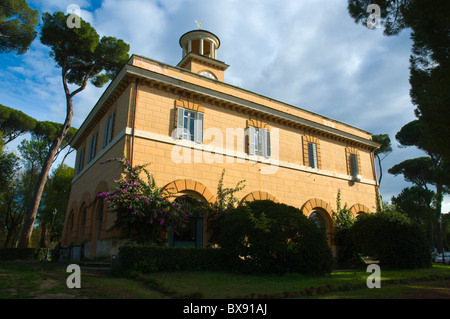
x=28 y=279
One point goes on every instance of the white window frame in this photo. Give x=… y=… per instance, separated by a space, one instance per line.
x=190 y=125
x=259 y=142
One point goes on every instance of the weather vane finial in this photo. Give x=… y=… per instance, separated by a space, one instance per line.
x=199 y=25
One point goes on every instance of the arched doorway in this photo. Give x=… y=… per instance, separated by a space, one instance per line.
x=317 y=218
x=191 y=235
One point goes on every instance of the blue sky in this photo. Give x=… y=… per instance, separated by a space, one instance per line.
x=306 y=53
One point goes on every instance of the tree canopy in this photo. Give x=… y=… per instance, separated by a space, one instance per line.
x=17 y=26
x=429 y=23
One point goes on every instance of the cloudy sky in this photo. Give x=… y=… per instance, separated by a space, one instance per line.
x=307 y=53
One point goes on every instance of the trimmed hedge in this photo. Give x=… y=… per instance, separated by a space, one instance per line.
x=393 y=239
x=146 y=259
x=268 y=237
x=23 y=253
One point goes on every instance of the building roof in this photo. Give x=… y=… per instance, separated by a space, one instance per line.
x=172 y=76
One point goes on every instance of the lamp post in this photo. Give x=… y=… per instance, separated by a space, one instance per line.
x=50 y=239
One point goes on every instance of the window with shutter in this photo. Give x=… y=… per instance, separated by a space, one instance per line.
x=190 y=125
x=251 y=141
x=267 y=147
x=80 y=160
x=198 y=128
x=259 y=142
x=92 y=147
x=354 y=171
x=111 y=127
x=105 y=133
x=312 y=155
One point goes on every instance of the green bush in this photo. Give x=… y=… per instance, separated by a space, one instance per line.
x=23 y=253
x=142 y=258
x=347 y=252
x=393 y=239
x=267 y=237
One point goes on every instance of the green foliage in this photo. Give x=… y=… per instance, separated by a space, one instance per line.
x=23 y=253
x=14 y=123
x=392 y=13
x=56 y=197
x=143 y=209
x=416 y=203
x=225 y=200
x=393 y=239
x=17 y=26
x=144 y=259
x=80 y=52
x=267 y=237
x=342 y=217
x=418 y=171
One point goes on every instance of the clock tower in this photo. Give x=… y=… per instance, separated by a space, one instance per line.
x=200 y=54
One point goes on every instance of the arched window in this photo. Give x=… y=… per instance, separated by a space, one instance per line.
x=191 y=235
x=319 y=221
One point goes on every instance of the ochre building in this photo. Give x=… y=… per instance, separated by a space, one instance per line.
x=190 y=125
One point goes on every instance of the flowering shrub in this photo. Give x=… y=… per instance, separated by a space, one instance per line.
x=144 y=211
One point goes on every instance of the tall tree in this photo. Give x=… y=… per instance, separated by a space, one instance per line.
x=17 y=26
x=417 y=203
x=429 y=22
x=82 y=57
x=384 y=149
x=423 y=171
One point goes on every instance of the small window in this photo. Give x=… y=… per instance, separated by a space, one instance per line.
x=259 y=142
x=190 y=125
x=108 y=132
x=312 y=155
x=80 y=160
x=354 y=171
x=92 y=147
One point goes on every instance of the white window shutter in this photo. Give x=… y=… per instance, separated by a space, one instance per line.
x=180 y=121
x=198 y=129
x=251 y=140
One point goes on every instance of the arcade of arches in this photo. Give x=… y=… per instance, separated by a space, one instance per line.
x=87 y=223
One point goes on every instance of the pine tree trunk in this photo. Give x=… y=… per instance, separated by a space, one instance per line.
x=39 y=189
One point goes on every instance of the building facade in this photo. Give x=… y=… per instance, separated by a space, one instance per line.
x=190 y=125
